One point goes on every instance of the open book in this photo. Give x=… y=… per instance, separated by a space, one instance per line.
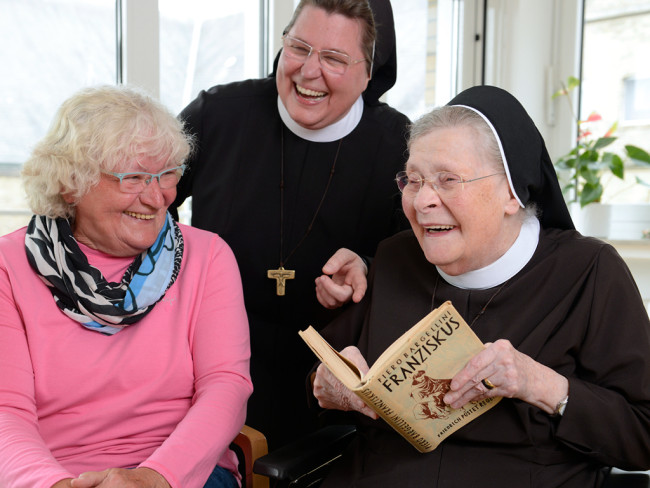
x=407 y=383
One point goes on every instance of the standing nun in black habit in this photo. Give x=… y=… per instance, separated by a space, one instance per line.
x=567 y=335
x=288 y=170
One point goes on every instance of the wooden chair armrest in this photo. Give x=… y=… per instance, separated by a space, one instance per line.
x=253 y=445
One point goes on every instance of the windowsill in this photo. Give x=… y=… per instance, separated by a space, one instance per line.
x=632 y=248
x=10 y=169
x=636 y=254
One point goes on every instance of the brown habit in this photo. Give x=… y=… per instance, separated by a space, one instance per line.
x=575 y=308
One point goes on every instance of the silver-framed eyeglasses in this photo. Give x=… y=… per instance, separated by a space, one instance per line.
x=445 y=183
x=137 y=181
x=332 y=61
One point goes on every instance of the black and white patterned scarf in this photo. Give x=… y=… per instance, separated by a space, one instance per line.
x=81 y=291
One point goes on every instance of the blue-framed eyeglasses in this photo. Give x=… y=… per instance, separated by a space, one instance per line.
x=333 y=61
x=137 y=181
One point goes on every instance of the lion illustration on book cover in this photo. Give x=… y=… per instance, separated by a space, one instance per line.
x=428 y=393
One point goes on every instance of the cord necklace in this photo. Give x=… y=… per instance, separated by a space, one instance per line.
x=280 y=275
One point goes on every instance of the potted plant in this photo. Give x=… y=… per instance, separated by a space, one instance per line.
x=587 y=163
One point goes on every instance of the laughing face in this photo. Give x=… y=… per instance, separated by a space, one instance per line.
x=122 y=224
x=314 y=97
x=477 y=224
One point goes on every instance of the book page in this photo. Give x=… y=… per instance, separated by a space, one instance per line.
x=340 y=366
x=407 y=384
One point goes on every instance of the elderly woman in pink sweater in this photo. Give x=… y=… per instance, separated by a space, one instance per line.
x=124 y=347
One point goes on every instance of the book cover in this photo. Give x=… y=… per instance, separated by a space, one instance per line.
x=407 y=383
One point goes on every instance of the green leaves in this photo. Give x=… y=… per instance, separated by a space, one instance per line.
x=615 y=163
x=591 y=193
x=638 y=155
x=572 y=82
x=603 y=142
x=587 y=162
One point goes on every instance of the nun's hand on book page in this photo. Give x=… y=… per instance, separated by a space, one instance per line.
x=501 y=370
x=332 y=394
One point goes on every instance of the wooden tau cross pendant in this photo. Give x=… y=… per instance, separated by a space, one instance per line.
x=281 y=276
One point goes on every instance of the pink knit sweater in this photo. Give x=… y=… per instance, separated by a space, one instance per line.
x=168 y=392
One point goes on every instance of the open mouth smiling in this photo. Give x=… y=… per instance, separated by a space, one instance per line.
x=438 y=228
x=310 y=94
x=139 y=215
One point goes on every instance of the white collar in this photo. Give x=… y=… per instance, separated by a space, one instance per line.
x=332 y=132
x=506 y=266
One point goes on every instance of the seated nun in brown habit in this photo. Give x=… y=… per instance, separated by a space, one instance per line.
x=566 y=333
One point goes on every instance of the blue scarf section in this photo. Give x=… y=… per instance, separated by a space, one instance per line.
x=81 y=291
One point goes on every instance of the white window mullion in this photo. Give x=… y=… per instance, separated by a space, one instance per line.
x=141 y=52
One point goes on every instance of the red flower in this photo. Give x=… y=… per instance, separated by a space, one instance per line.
x=593 y=117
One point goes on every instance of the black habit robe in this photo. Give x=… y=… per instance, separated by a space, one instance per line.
x=574 y=308
x=234 y=181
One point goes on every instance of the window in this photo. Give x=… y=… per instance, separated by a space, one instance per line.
x=636 y=92
x=206 y=43
x=427 y=33
x=59 y=46
x=50 y=50
x=616 y=83
x=426 y=61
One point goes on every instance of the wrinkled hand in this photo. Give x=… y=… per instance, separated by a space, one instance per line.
x=343 y=279
x=331 y=393
x=514 y=374
x=121 y=478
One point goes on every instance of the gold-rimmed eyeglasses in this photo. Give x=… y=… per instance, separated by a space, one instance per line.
x=137 y=181
x=332 y=61
x=445 y=183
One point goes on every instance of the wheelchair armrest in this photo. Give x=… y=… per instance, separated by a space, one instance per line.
x=305 y=455
x=622 y=479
